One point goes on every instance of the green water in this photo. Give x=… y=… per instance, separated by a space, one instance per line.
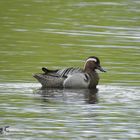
x=59 y=34
x=64 y=33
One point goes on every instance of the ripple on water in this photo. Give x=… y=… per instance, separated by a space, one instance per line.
x=112 y=112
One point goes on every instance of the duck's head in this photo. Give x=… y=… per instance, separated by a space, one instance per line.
x=93 y=63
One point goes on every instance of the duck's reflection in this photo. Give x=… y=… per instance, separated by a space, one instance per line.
x=69 y=95
x=91 y=96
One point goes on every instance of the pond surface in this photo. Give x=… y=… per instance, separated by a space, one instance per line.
x=59 y=34
x=112 y=112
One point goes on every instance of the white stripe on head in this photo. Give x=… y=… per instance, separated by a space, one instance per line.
x=91 y=59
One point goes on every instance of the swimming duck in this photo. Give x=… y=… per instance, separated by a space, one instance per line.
x=72 y=77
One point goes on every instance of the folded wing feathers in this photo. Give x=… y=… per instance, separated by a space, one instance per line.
x=68 y=71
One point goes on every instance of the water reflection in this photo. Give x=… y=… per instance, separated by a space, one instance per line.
x=91 y=96
x=88 y=96
x=68 y=114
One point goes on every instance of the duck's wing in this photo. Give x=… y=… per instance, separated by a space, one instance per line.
x=62 y=73
x=69 y=71
x=55 y=78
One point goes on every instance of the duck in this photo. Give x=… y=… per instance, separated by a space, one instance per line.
x=86 y=77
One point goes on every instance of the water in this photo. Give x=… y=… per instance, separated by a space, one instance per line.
x=110 y=113
x=60 y=34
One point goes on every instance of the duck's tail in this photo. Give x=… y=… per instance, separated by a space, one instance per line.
x=41 y=79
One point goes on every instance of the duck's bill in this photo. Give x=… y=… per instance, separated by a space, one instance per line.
x=101 y=69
